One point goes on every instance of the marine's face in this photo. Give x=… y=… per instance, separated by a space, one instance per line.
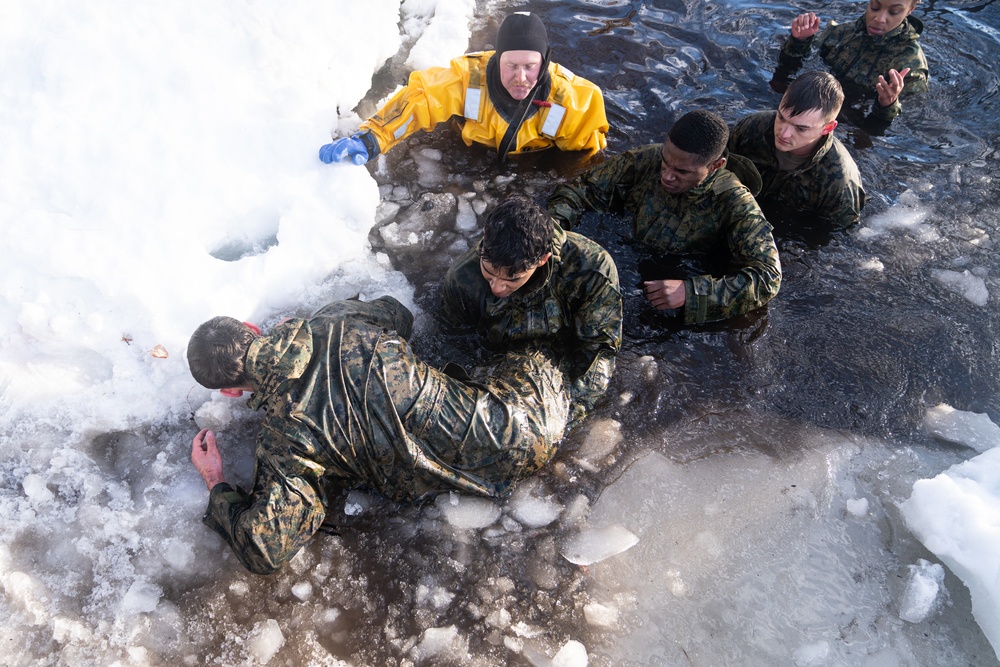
x=502 y=283
x=799 y=135
x=884 y=16
x=680 y=171
x=519 y=72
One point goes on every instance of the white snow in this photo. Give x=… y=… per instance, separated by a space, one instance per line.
x=957 y=516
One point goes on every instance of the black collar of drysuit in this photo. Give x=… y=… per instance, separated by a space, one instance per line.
x=504 y=103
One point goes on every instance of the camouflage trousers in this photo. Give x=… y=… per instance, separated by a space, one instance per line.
x=480 y=434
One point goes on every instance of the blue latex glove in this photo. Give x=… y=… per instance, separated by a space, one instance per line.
x=343 y=148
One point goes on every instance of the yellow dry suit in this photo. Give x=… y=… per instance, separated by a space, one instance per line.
x=571 y=118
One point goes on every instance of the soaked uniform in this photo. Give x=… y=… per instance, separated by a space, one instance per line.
x=857 y=58
x=348 y=404
x=571 y=117
x=717 y=217
x=572 y=306
x=826 y=188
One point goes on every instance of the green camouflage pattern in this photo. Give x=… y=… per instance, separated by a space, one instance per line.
x=572 y=306
x=857 y=58
x=348 y=404
x=718 y=217
x=826 y=189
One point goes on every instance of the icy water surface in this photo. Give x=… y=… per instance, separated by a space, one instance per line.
x=757 y=466
x=733 y=450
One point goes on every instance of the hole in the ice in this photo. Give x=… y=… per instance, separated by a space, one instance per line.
x=254 y=233
x=232 y=250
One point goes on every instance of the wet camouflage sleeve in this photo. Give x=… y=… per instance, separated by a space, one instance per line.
x=268 y=527
x=594 y=190
x=719 y=213
x=857 y=59
x=828 y=187
x=754 y=276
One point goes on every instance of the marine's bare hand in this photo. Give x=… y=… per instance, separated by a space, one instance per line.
x=664 y=294
x=206 y=458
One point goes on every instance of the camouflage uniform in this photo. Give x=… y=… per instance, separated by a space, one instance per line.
x=348 y=404
x=572 y=304
x=828 y=186
x=857 y=58
x=718 y=216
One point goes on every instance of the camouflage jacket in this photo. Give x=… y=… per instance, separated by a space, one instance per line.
x=857 y=58
x=348 y=404
x=827 y=187
x=573 y=304
x=717 y=218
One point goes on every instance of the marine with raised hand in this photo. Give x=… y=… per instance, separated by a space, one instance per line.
x=878 y=56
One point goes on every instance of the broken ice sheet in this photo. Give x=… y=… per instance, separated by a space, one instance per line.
x=592 y=545
x=971 y=429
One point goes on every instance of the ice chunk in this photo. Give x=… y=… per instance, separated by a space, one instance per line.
x=215 y=414
x=971 y=287
x=441 y=642
x=302 y=590
x=815 y=653
x=923 y=587
x=971 y=429
x=602 y=437
x=907 y=218
x=267 y=638
x=35 y=488
x=857 y=506
x=465 y=219
x=592 y=545
x=142 y=596
x=957 y=516
x=467 y=512
x=599 y=614
x=435 y=597
x=533 y=510
x=572 y=654
x=357 y=503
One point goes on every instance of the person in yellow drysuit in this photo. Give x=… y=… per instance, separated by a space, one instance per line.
x=512 y=99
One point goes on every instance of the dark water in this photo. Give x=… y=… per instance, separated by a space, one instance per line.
x=841 y=346
x=862 y=339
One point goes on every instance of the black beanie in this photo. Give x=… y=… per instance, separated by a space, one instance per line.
x=522 y=32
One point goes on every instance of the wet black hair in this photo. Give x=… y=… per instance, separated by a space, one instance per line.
x=814 y=90
x=217 y=351
x=701 y=133
x=517 y=234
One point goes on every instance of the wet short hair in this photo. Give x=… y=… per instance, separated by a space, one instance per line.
x=814 y=90
x=217 y=353
x=517 y=234
x=701 y=133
